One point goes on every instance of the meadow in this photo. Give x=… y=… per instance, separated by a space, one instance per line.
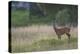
x=41 y=38
x=32 y=28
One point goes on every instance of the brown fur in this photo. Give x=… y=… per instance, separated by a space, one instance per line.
x=61 y=31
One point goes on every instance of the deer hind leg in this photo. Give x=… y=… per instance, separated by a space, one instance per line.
x=59 y=37
x=68 y=35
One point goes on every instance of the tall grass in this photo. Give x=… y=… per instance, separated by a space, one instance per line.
x=40 y=38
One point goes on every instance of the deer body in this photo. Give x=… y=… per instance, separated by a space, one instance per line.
x=61 y=31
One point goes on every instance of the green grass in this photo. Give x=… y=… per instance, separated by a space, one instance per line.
x=46 y=44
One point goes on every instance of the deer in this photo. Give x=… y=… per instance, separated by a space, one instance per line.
x=62 y=31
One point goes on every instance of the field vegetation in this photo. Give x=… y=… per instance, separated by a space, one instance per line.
x=41 y=38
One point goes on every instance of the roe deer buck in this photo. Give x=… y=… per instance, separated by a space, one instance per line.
x=61 y=31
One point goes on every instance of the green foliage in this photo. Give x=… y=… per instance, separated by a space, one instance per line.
x=63 y=17
x=60 y=14
x=19 y=17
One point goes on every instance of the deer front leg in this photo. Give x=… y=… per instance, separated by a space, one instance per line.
x=68 y=37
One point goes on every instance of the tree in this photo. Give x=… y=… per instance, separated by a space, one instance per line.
x=62 y=17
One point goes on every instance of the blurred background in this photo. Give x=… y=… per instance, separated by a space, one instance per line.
x=27 y=13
